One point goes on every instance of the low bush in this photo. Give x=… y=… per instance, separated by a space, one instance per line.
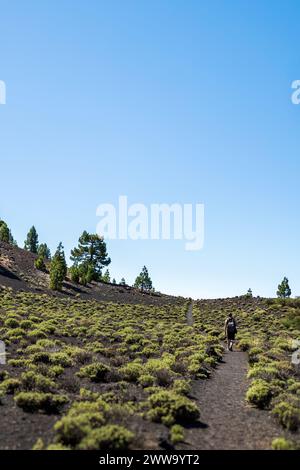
x=131 y=371
x=176 y=434
x=12 y=323
x=10 y=386
x=3 y=375
x=110 y=437
x=288 y=414
x=169 y=408
x=259 y=393
x=37 y=401
x=146 y=380
x=70 y=430
x=61 y=359
x=182 y=387
x=96 y=372
x=280 y=443
x=33 y=381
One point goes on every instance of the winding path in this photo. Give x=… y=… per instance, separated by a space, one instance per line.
x=227 y=421
x=189 y=316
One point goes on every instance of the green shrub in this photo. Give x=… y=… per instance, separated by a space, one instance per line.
x=55 y=371
x=131 y=371
x=176 y=434
x=168 y=407
x=294 y=387
x=61 y=359
x=109 y=437
x=146 y=380
x=70 y=430
x=15 y=332
x=3 y=375
x=39 y=445
x=80 y=355
x=280 y=443
x=18 y=362
x=244 y=344
x=12 y=323
x=36 y=401
x=34 y=381
x=254 y=353
x=259 y=393
x=82 y=407
x=43 y=357
x=96 y=372
x=26 y=324
x=36 y=334
x=288 y=414
x=182 y=387
x=263 y=371
x=10 y=386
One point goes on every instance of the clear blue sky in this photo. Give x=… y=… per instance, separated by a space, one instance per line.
x=163 y=101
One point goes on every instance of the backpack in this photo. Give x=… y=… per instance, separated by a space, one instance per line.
x=231 y=326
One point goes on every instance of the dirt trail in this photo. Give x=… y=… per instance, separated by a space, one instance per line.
x=227 y=421
x=189 y=317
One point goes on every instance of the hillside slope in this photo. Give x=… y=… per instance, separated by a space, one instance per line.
x=17 y=271
x=96 y=366
x=84 y=374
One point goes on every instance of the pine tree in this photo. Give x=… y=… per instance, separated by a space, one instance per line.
x=114 y=281
x=5 y=234
x=12 y=241
x=249 y=293
x=143 y=280
x=75 y=274
x=58 y=269
x=106 y=276
x=83 y=273
x=123 y=282
x=284 y=290
x=43 y=254
x=40 y=264
x=44 y=251
x=89 y=258
x=32 y=242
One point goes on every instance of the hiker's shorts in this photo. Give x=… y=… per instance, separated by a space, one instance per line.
x=231 y=335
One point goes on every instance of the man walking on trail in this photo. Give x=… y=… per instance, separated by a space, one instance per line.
x=230 y=331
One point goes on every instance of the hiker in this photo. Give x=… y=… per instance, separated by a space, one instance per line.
x=230 y=331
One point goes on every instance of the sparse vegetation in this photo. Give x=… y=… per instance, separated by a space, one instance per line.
x=102 y=366
x=102 y=370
